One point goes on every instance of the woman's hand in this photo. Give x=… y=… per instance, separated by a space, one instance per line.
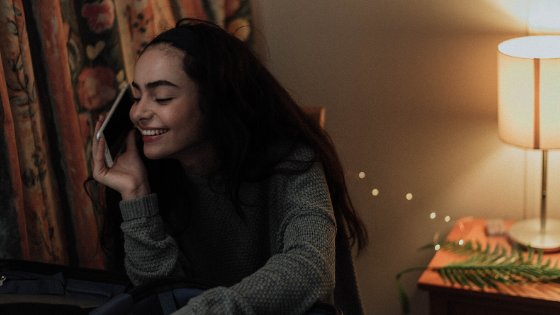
x=128 y=174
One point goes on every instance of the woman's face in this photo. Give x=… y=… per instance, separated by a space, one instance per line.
x=166 y=109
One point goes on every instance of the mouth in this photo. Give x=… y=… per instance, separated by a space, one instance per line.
x=152 y=132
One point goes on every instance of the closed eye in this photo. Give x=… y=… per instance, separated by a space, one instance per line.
x=164 y=100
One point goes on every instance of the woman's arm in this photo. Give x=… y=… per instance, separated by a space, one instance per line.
x=150 y=252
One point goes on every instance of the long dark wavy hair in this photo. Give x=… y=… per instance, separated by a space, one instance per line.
x=251 y=119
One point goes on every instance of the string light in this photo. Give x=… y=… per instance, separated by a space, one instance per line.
x=409 y=196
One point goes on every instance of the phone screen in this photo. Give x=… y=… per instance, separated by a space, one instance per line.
x=117 y=124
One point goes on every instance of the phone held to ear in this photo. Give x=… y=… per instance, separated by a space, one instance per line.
x=116 y=125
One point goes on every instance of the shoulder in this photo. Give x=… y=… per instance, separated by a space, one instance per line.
x=300 y=183
x=297 y=156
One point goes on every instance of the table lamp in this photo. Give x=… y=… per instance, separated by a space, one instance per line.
x=529 y=117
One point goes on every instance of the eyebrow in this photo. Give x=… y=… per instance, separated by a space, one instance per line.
x=154 y=84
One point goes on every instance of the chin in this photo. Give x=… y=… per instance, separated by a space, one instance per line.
x=154 y=155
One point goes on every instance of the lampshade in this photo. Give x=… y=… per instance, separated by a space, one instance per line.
x=529 y=91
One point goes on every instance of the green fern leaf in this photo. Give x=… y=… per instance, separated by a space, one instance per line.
x=486 y=266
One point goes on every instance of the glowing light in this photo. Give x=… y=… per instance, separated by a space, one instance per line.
x=409 y=196
x=447 y=218
x=461 y=242
x=437 y=247
x=433 y=215
x=375 y=192
x=362 y=175
x=519 y=92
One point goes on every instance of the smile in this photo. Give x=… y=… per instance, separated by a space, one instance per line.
x=153 y=132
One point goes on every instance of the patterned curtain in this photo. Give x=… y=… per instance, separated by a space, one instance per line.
x=61 y=64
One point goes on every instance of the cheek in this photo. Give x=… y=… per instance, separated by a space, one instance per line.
x=189 y=113
x=191 y=125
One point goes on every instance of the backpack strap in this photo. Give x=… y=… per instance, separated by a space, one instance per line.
x=120 y=304
x=167 y=302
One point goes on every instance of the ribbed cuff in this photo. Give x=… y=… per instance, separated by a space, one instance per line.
x=145 y=206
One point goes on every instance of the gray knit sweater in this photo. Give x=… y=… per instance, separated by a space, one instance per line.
x=277 y=257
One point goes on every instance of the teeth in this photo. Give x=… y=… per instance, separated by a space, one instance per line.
x=153 y=132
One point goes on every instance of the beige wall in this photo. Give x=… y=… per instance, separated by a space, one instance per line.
x=410 y=92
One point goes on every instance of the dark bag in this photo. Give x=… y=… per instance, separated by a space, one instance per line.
x=159 y=297
x=163 y=297
x=39 y=288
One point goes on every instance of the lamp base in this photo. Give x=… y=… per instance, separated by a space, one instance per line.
x=528 y=233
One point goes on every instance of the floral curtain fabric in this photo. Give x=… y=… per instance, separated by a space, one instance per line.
x=61 y=65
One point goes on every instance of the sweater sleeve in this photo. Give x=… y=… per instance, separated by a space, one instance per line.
x=301 y=269
x=150 y=252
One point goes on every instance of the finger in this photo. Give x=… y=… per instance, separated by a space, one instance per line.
x=131 y=141
x=99 y=158
x=94 y=140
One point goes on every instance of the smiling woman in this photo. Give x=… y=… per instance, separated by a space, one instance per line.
x=233 y=187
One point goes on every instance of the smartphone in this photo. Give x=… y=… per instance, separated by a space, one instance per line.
x=116 y=125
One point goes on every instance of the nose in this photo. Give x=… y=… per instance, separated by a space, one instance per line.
x=140 y=112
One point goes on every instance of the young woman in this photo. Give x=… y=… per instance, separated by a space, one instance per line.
x=232 y=186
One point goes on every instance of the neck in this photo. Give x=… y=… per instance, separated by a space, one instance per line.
x=199 y=161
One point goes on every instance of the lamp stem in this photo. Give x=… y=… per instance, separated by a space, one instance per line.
x=543 y=190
